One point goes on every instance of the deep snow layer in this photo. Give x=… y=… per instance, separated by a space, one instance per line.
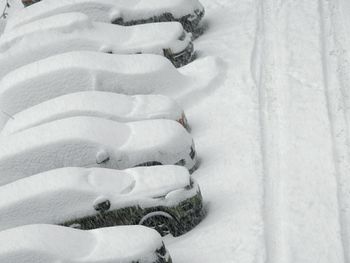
x=145 y=38
x=93 y=142
x=107 y=10
x=106 y=105
x=87 y=71
x=273 y=135
x=62 y=195
x=84 y=71
x=74 y=31
x=48 y=243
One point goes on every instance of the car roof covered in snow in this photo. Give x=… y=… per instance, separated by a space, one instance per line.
x=113 y=106
x=67 y=193
x=106 y=10
x=49 y=243
x=152 y=181
x=87 y=142
x=74 y=31
x=70 y=27
x=84 y=71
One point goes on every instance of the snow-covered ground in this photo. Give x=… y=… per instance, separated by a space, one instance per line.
x=273 y=134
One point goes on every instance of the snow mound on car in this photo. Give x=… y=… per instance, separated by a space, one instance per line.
x=107 y=105
x=35 y=243
x=86 y=71
x=72 y=26
x=64 y=194
x=150 y=8
x=78 y=141
x=106 y=10
x=107 y=38
x=70 y=23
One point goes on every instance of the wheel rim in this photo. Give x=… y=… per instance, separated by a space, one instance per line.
x=161 y=224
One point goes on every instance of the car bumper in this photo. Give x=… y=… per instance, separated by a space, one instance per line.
x=163 y=255
x=164 y=260
x=191 y=22
x=182 y=58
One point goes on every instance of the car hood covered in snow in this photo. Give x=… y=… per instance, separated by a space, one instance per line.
x=106 y=10
x=113 y=106
x=90 y=142
x=49 y=244
x=144 y=38
x=68 y=193
x=85 y=71
x=74 y=31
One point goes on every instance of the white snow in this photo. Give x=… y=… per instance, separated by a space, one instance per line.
x=66 y=23
x=106 y=10
x=57 y=34
x=273 y=135
x=112 y=106
x=65 y=194
x=78 y=141
x=15 y=7
x=145 y=38
x=84 y=71
x=272 y=132
x=49 y=244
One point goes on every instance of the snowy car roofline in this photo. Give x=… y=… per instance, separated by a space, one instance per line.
x=128 y=241
x=87 y=60
x=165 y=179
x=88 y=129
x=108 y=11
x=112 y=106
x=75 y=25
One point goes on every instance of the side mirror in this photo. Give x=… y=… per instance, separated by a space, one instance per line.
x=102 y=157
x=103 y=206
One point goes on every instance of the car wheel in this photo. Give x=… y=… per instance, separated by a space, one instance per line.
x=163 y=223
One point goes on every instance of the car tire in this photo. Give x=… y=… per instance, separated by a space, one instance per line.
x=162 y=222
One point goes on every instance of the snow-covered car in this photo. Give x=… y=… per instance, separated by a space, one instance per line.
x=85 y=71
x=74 y=31
x=162 y=197
x=111 y=106
x=94 y=142
x=187 y=12
x=53 y=244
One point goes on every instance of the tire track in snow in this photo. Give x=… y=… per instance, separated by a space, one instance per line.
x=337 y=77
x=272 y=188
x=301 y=207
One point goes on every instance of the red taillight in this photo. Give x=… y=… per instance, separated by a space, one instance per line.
x=183 y=121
